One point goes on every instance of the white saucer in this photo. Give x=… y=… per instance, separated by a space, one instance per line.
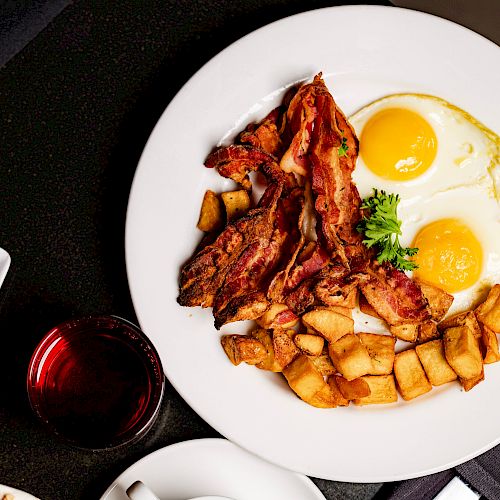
x=212 y=467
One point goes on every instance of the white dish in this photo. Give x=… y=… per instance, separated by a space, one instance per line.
x=214 y=467
x=365 y=53
x=18 y=494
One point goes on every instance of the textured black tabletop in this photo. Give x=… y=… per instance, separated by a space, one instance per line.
x=77 y=105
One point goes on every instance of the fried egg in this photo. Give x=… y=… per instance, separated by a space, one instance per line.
x=445 y=166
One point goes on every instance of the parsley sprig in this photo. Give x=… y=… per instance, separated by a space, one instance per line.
x=342 y=150
x=383 y=229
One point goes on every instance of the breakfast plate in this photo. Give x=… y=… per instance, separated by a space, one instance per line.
x=212 y=467
x=365 y=53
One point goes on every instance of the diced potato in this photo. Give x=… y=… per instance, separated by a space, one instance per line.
x=489 y=343
x=269 y=362
x=467 y=318
x=352 y=389
x=410 y=376
x=329 y=324
x=350 y=357
x=462 y=352
x=339 y=398
x=324 y=398
x=323 y=364
x=278 y=316
x=243 y=348
x=381 y=351
x=437 y=369
x=468 y=384
x=488 y=312
x=237 y=203
x=310 y=344
x=439 y=300
x=382 y=390
x=308 y=383
x=427 y=331
x=407 y=332
x=366 y=307
x=285 y=351
x=341 y=310
x=211 y=217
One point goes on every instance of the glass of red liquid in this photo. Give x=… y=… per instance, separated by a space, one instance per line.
x=97 y=382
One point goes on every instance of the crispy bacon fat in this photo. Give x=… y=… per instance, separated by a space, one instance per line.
x=306 y=150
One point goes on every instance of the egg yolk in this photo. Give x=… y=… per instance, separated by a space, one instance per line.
x=398 y=144
x=449 y=255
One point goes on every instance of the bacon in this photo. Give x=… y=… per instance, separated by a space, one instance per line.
x=236 y=161
x=265 y=136
x=204 y=274
x=307 y=268
x=337 y=200
x=395 y=297
x=258 y=264
x=302 y=297
x=300 y=118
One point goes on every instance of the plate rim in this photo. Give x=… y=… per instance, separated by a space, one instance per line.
x=187 y=397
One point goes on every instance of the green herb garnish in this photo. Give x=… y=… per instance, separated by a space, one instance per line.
x=383 y=229
x=343 y=147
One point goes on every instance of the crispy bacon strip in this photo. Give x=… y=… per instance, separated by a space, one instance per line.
x=265 y=135
x=236 y=161
x=258 y=263
x=337 y=200
x=300 y=118
x=204 y=274
x=395 y=297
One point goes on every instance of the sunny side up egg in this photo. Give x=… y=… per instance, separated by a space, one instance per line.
x=445 y=166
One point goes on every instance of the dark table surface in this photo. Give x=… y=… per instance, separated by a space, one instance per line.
x=77 y=106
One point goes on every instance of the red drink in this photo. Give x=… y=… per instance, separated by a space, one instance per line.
x=97 y=382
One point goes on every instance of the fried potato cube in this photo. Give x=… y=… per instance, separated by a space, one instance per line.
x=352 y=389
x=488 y=313
x=382 y=390
x=269 y=362
x=407 y=332
x=329 y=324
x=309 y=344
x=489 y=343
x=211 y=217
x=237 y=203
x=381 y=351
x=243 y=348
x=410 y=376
x=323 y=364
x=278 y=316
x=337 y=394
x=462 y=352
x=467 y=318
x=285 y=351
x=341 y=310
x=437 y=369
x=468 y=384
x=366 y=307
x=427 y=331
x=439 y=300
x=350 y=357
x=308 y=383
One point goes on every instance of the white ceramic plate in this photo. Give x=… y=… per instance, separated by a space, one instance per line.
x=364 y=53
x=212 y=467
x=18 y=494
